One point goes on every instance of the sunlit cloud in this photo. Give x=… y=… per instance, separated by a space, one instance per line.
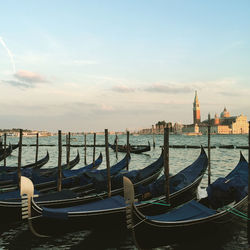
x=29 y=77
x=25 y=79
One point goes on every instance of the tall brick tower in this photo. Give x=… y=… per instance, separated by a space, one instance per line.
x=196 y=110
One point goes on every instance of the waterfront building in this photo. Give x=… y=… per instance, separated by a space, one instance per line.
x=225 y=124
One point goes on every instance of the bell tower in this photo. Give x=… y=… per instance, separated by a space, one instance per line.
x=196 y=110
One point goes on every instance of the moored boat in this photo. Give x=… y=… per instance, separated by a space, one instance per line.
x=112 y=211
x=226 y=199
x=132 y=148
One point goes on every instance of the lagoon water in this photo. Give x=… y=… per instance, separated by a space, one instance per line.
x=222 y=161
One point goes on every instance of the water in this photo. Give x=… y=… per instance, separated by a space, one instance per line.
x=222 y=161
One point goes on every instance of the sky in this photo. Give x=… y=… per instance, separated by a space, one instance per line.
x=90 y=65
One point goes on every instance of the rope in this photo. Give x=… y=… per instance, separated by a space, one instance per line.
x=157 y=203
x=236 y=212
x=138 y=223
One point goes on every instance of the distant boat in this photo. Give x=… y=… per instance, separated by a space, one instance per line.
x=135 y=149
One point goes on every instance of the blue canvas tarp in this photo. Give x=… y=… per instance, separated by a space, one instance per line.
x=189 y=211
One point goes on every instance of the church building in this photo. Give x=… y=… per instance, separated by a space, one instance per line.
x=225 y=124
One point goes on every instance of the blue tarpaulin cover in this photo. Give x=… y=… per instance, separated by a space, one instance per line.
x=178 y=181
x=231 y=188
x=189 y=211
x=12 y=195
x=62 y=213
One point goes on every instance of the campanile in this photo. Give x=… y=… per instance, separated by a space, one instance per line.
x=196 y=109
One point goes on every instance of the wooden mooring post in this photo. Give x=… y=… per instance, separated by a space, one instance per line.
x=166 y=161
x=208 y=149
x=19 y=157
x=4 y=147
x=248 y=201
x=59 y=182
x=68 y=150
x=37 y=145
x=128 y=149
x=116 y=146
x=94 y=150
x=107 y=162
x=85 y=149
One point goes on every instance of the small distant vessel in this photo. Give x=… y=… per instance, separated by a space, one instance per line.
x=192 y=133
x=135 y=149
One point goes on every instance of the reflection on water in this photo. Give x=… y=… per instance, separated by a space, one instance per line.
x=222 y=161
x=21 y=238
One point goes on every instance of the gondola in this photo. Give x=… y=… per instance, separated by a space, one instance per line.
x=132 y=149
x=110 y=211
x=9 y=180
x=33 y=165
x=79 y=179
x=209 y=216
x=45 y=178
x=10 y=202
x=9 y=149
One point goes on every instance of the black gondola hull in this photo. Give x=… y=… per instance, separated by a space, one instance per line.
x=150 y=234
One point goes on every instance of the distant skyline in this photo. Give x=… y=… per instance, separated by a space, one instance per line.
x=91 y=65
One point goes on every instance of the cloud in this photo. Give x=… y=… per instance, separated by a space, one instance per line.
x=123 y=89
x=29 y=77
x=25 y=79
x=18 y=84
x=168 y=88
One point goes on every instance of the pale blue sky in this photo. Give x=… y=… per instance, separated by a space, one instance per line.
x=90 y=65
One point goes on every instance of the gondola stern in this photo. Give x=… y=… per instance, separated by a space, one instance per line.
x=27 y=194
x=203 y=150
x=242 y=158
x=129 y=192
x=78 y=154
x=129 y=195
x=32 y=229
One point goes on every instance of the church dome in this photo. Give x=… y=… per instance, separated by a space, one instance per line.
x=225 y=113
